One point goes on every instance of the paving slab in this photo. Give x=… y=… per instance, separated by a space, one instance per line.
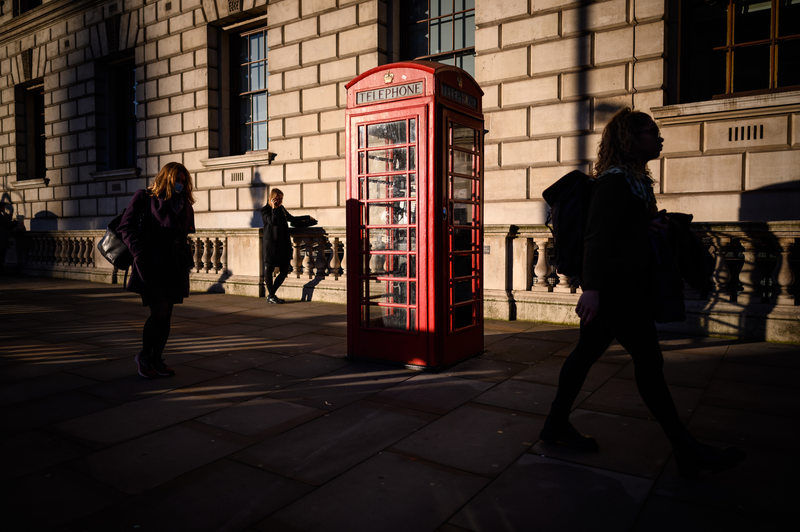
x=222 y=496
x=621 y=396
x=344 y=386
x=431 y=392
x=262 y=416
x=742 y=490
x=485 y=370
x=306 y=365
x=133 y=387
x=35 y=450
x=521 y=350
x=235 y=361
x=474 y=438
x=388 y=492
x=143 y=463
x=760 y=398
x=759 y=374
x=764 y=353
x=243 y=385
x=552 y=332
x=59 y=362
x=524 y=396
x=49 y=410
x=36 y=387
x=663 y=514
x=548 y=370
x=539 y=493
x=68 y=495
x=681 y=369
x=754 y=429
x=628 y=445
x=302 y=344
x=131 y=420
x=322 y=449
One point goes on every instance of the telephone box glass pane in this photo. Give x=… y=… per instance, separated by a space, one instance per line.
x=463 y=163
x=383 y=187
x=380 y=161
x=412 y=126
x=412 y=186
x=462 y=189
x=464 y=138
x=391 y=292
x=412 y=238
x=387 y=133
x=412 y=324
x=412 y=215
x=462 y=265
x=463 y=213
x=387 y=265
x=393 y=213
x=462 y=240
x=394 y=318
x=462 y=316
x=462 y=291
x=412 y=293
x=362 y=138
x=412 y=160
x=385 y=239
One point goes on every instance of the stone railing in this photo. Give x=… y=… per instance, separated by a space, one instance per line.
x=754 y=292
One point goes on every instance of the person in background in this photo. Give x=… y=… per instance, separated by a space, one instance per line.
x=621 y=214
x=277 y=244
x=7 y=224
x=155 y=227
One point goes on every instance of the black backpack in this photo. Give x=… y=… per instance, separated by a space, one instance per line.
x=569 y=199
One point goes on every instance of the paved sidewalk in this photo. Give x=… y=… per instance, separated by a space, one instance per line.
x=268 y=427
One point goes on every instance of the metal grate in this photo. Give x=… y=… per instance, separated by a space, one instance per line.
x=740 y=133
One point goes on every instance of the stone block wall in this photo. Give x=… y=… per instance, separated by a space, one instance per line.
x=554 y=73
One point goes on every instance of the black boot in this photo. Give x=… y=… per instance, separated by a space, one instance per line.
x=693 y=457
x=565 y=433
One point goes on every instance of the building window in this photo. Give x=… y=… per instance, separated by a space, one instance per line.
x=117 y=115
x=739 y=47
x=439 y=30
x=30 y=127
x=22 y=6
x=250 y=91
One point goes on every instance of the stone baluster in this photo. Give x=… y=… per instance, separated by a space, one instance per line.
x=82 y=251
x=198 y=254
x=336 y=262
x=89 y=254
x=216 y=245
x=542 y=269
x=74 y=252
x=208 y=254
x=750 y=277
x=55 y=251
x=343 y=264
x=563 y=286
x=321 y=263
x=297 y=259
x=308 y=265
x=784 y=276
x=722 y=274
x=223 y=255
x=36 y=250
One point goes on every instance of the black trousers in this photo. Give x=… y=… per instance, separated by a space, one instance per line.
x=272 y=286
x=636 y=332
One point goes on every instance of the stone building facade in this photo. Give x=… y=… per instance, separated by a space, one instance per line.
x=97 y=95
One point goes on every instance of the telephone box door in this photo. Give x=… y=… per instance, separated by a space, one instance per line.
x=391 y=265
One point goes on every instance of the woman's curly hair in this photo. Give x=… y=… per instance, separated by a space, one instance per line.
x=164 y=183
x=618 y=144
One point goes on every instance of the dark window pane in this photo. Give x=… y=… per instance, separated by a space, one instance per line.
x=244 y=138
x=242 y=50
x=462 y=291
x=789 y=18
x=462 y=240
x=245 y=111
x=242 y=82
x=751 y=68
x=416 y=42
x=462 y=317
x=788 y=72
x=462 y=265
x=751 y=21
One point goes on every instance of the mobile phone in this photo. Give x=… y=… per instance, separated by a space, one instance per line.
x=660 y=214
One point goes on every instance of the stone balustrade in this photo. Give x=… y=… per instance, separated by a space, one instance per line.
x=754 y=292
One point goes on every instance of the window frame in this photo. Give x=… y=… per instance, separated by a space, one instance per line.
x=452 y=53
x=237 y=95
x=30 y=126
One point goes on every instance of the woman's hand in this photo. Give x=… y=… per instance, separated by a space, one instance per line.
x=588 y=306
x=659 y=224
x=275 y=202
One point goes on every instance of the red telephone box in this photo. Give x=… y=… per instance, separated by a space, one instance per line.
x=415 y=214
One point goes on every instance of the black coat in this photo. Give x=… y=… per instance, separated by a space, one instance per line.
x=277 y=243
x=161 y=252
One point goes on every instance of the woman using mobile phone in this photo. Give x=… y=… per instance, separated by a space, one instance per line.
x=621 y=214
x=277 y=243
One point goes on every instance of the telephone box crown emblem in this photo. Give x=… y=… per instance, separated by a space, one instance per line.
x=388 y=77
x=460 y=82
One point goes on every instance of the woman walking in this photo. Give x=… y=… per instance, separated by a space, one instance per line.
x=620 y=217
x=155 y=227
